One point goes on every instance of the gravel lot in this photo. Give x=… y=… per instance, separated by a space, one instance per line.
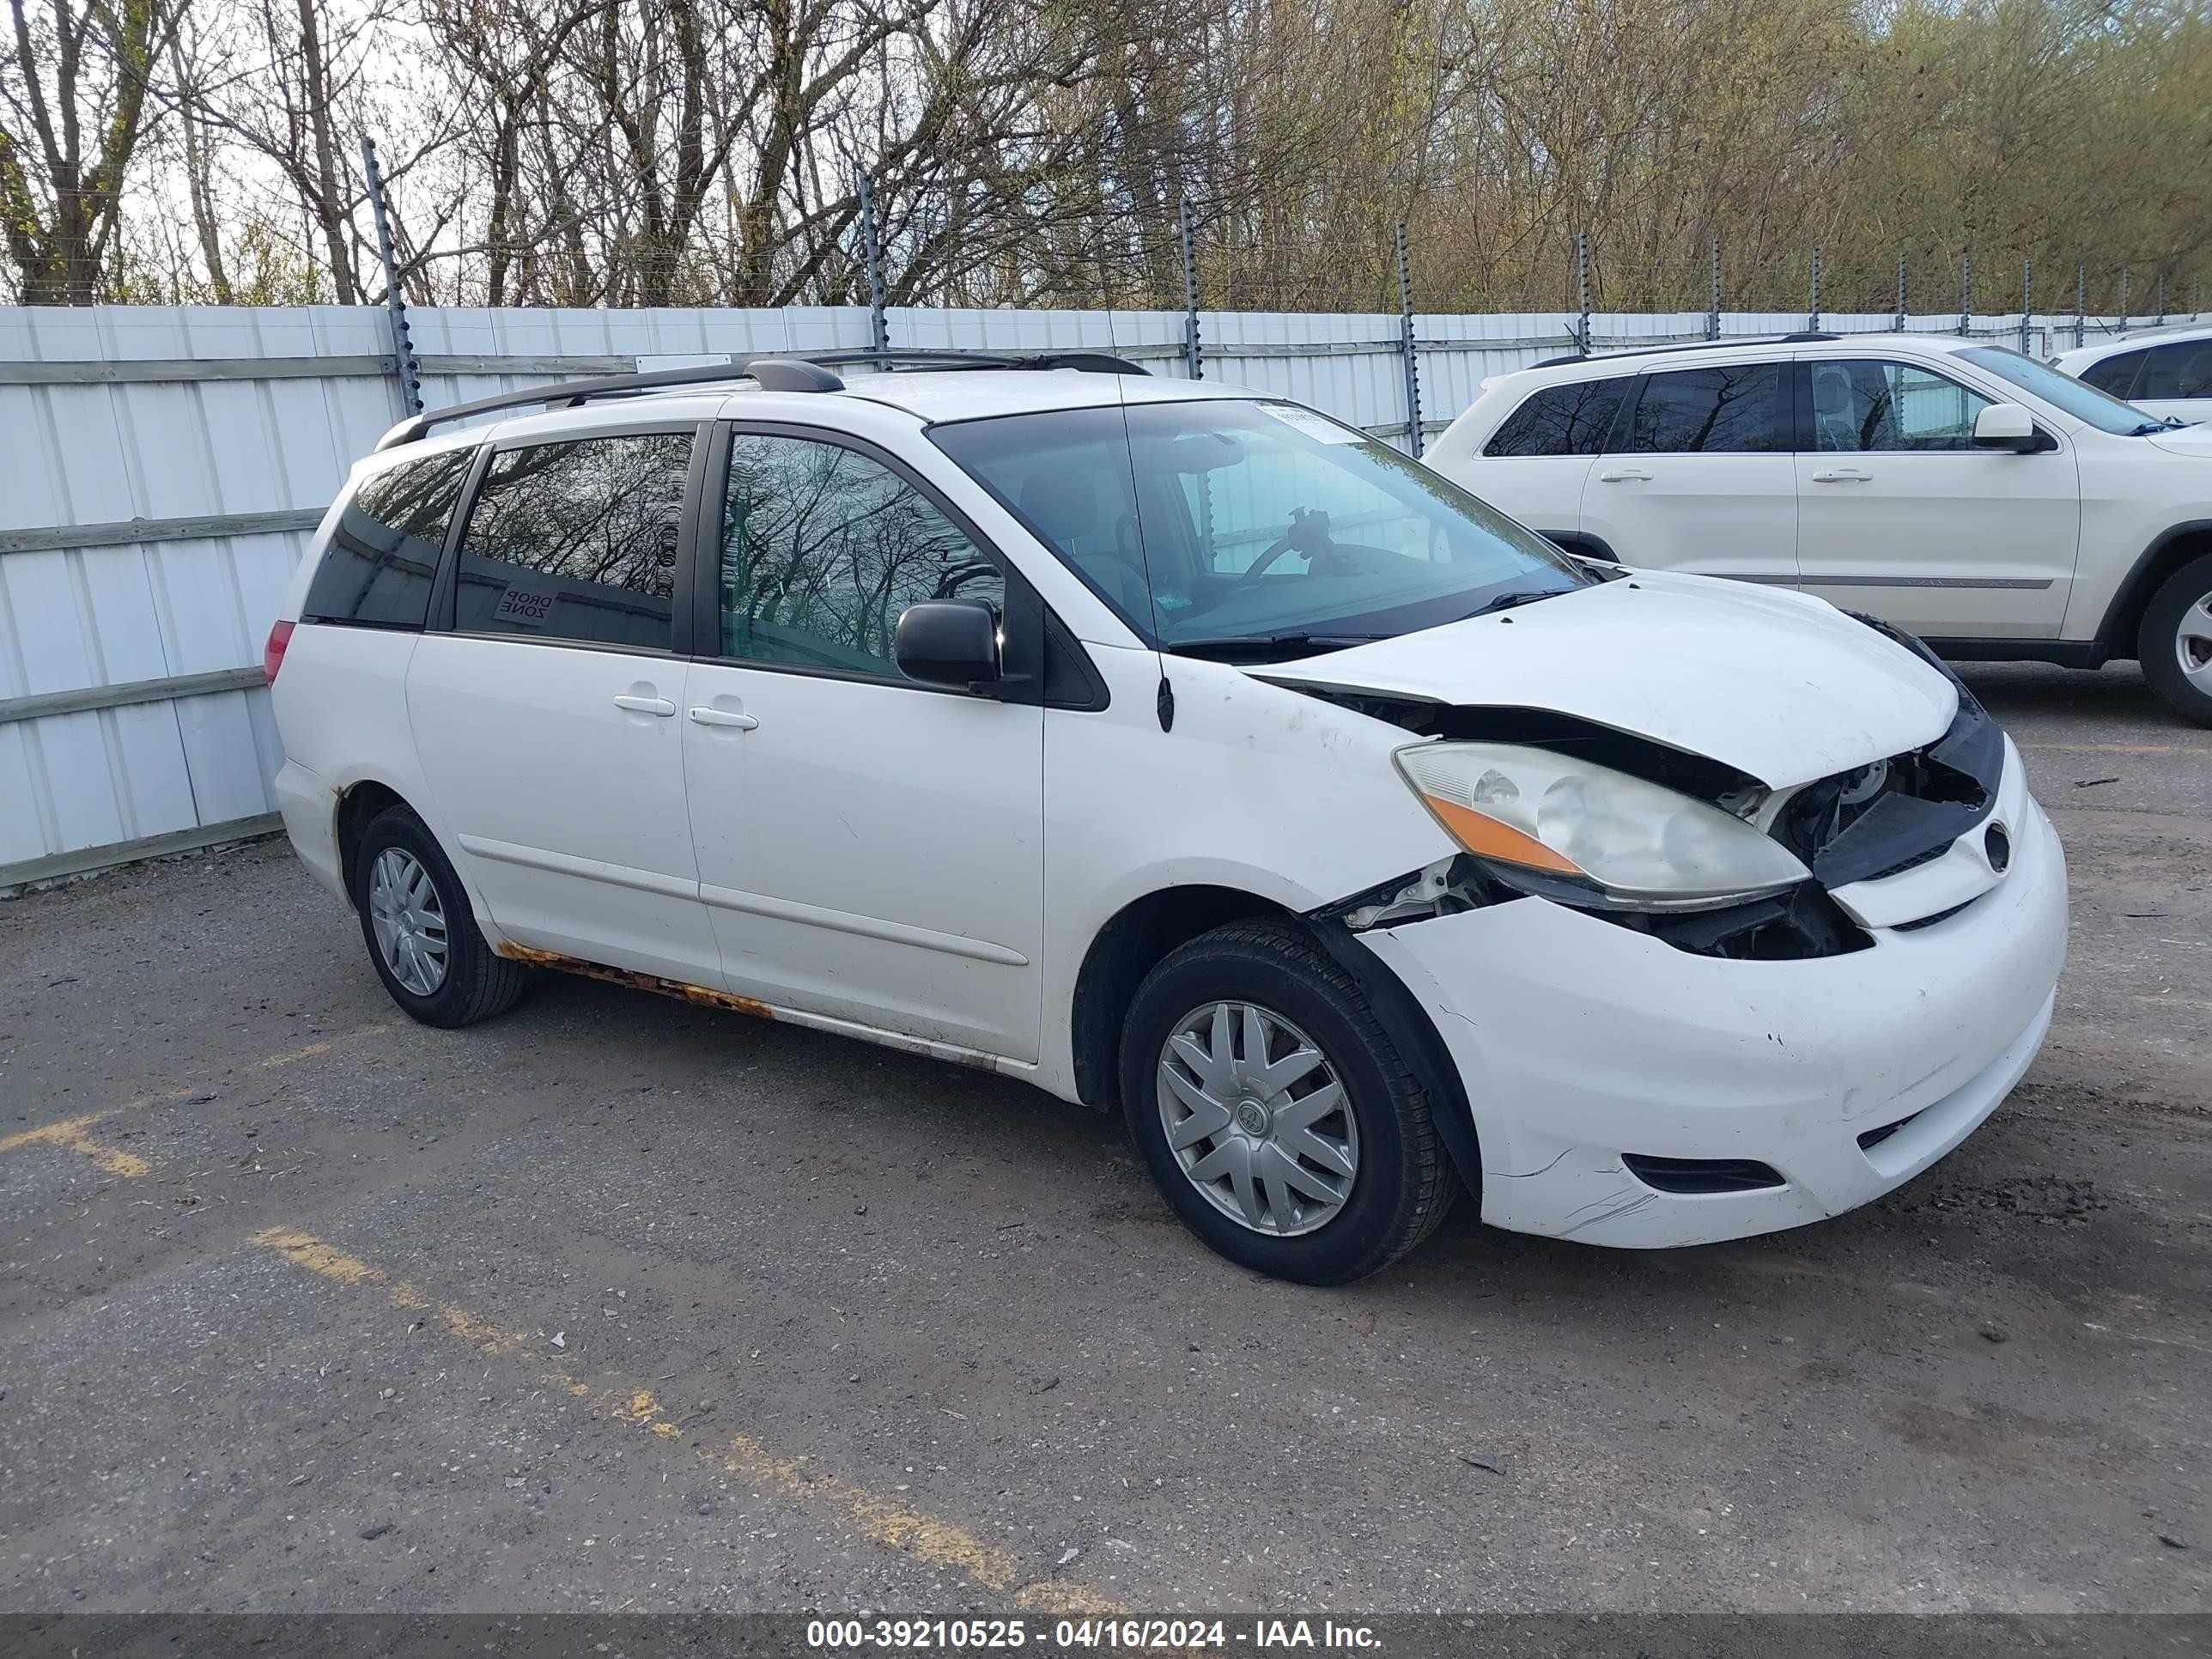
x=619 y=1304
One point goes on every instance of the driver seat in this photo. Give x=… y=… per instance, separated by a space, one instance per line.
x=1061 y=504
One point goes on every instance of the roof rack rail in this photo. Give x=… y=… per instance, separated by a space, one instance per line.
x=1799 y=337
x=773 y=371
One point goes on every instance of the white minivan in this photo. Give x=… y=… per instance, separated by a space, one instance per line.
x=1185 y=753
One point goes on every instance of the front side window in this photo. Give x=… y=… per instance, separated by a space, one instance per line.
x=2115 y=375
x=1871 y=405
x=1244 y=527
x=383 y=554
x=2181 y=370
x=577 y=540
x=1561 y=420
x=1704 y=411
x=822 y=547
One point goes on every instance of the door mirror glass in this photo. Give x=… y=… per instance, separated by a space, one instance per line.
x=2005 y=426
x=948 y=642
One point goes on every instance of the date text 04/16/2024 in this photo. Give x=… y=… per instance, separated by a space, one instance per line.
x=1075 y=1635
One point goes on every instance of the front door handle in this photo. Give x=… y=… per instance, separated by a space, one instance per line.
x=1624 y=474
x=1843 y=474
x=724 y=717
x=637 y=705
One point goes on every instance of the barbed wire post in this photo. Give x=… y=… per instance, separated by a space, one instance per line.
x=1813 y=311
x=2026 y=301
x=1965 y=293
x=871 y=249
x=2080 y=305
x=1406 y=345
x=2160 y=321
x=1713 y=296
x=1900 y=292
x=1582 y=292
x=405 y=364
x=1193 y=361
x=2127 y=282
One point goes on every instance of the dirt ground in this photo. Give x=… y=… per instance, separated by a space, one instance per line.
x=620 y=1303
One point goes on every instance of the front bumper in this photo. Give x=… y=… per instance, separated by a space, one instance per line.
x=1579 y=1041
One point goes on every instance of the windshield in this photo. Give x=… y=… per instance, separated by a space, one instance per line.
x=2055 y=387
x=1223 y=524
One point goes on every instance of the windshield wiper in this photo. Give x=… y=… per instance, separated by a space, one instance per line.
x=1518 y=597
x=1232 y=646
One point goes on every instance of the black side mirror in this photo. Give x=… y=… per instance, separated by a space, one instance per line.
x=949 y=642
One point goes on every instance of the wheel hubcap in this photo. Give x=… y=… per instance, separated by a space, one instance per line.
x=2192 y=643
x=1257 y=1119
x=408 y=920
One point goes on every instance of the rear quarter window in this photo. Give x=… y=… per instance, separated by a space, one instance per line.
x=377 y=571
x=2116 y=374
x=1561 y=420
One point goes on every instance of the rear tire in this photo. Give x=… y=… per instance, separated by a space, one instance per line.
x=2175 y=642
x=421 y=935
x=1290 y=1181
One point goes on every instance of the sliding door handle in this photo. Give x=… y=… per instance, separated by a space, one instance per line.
x=723 y=717
x=1843 y=474
x=1623 y=475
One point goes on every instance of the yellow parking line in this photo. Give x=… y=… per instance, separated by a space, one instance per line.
x=2175 y=1002
x=870 y=1515
x=69 y=1133
x=2103 y=748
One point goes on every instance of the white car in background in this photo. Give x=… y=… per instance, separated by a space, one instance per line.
x=1989 y=504
x=1182 y=751
x=2167 y=372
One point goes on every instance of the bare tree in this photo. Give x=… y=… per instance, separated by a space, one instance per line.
x=75 y=105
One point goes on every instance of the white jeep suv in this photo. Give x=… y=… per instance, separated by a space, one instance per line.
x=2167 y=372
x=1988 y=503
x=1178 y=749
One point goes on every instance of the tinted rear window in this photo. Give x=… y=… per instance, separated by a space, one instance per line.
x=2182 y=370
x=2114 y=374
x=1705 y=410
x=1561 y=420
x=377 y=571
x=577 y=540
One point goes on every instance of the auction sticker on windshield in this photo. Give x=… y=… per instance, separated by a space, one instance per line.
x=1315 y=426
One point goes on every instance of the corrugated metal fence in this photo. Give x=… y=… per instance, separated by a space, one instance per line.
x=161 y=469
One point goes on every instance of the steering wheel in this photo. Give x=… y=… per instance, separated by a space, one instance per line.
x=1308 y=534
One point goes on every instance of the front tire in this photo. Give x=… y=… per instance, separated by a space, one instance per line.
x=421 y=935
x=1280 y=1122
x=2175 y=643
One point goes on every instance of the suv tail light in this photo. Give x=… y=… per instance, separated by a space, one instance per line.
x=273 y=654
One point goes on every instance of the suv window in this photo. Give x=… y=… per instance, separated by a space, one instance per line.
x=2183 y=369
x=378 y=569
x=1732 y=408
x=1561 y=420
x=822 y=547
x=2115 y=374
x=1863 y=405
x=577 y=540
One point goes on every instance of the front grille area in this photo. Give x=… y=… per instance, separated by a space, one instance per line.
x=1888 y=818
x=1702 y=1174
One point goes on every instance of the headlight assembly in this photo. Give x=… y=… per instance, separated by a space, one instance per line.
x=1588 y=834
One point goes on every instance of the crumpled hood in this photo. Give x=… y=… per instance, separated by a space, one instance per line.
x=1773 y=683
